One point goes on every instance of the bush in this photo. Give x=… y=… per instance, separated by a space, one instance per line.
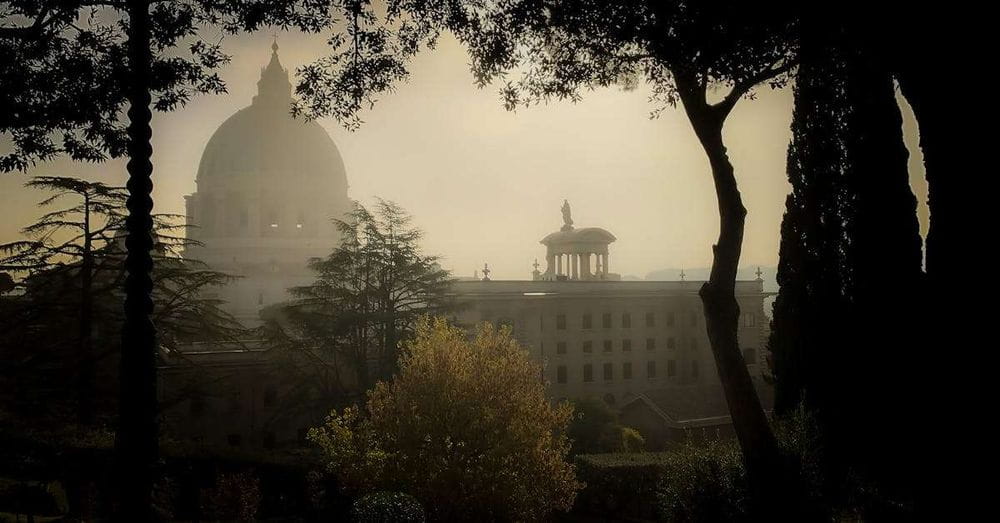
x=704 y=483
x=708 y=482
x=388 y=507
x=620 y=485
x=465 y=427
x=595 y=429
x=235 y=497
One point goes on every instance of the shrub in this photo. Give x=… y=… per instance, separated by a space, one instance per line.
x=595 y=429
x=388 y=507
x=620 y=485
x=708 y=482
x=704 y=483
x=235 y=497
x=465 y=427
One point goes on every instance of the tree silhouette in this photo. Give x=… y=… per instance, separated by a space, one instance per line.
x=109 y=54
x=850 y=268
x=684 y=51
x=368 y=295
x=71 y=271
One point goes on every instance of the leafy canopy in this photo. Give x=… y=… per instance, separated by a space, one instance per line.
x=64 y=71
x=465 y=427
x=369 y=292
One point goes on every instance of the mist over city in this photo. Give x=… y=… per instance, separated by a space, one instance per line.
x=517 y=261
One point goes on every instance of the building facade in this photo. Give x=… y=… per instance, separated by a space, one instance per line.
x=604 y=338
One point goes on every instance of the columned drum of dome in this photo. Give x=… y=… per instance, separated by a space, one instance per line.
x=268 y=187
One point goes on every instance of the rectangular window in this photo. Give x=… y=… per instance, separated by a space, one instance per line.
x=671 y=344
x=694 y=368
x=626 y=321
x=627 y=345
x=627 y=370
x=586 y=321
x=561 y=374
x=670 y=318
x=607 y=345
x=650 y=344
x=561 y=322
x=671 y=368
x=561 y=347
x=694 y=343
x=749 y=320
x=650 y=369
x=650 y=319
x=234 y=440
x=588 y=372
x=588 y=347
x=694 y=319
x=606 y=320
x=609 y=371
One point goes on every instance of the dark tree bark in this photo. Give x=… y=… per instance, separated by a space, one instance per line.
x=764 y=466
x=137 y=435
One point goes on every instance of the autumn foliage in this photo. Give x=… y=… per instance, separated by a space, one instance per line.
x=465 y=427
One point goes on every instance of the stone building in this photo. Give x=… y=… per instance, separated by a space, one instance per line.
x=268 y=186
x=620 y=341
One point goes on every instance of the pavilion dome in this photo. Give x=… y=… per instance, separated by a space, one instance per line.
x=582 y=235
x=264 y=140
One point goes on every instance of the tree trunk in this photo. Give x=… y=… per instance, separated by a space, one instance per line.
x=718 y=295
x=87 y=390
x=137 y=434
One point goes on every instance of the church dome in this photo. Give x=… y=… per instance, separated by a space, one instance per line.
x=264 y=139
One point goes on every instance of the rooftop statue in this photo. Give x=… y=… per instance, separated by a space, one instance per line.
x=567 y=218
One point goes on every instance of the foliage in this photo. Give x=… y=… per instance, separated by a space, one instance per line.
x=595 y=429
x=366 y=300
x=464 y=426
x=705 y=483
x=387 y=507
x=71 y=267
x=708 y=482
x=850 y=261
x=235 y=497
x=55 y=54
x=620 y=485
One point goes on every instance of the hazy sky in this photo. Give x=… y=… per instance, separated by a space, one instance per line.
x=485 y=184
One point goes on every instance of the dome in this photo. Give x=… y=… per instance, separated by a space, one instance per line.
x=584 y=235
x=264 y=139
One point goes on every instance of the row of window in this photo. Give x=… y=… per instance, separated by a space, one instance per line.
x=626 y=345
x=749 y=320
x=562 y=372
